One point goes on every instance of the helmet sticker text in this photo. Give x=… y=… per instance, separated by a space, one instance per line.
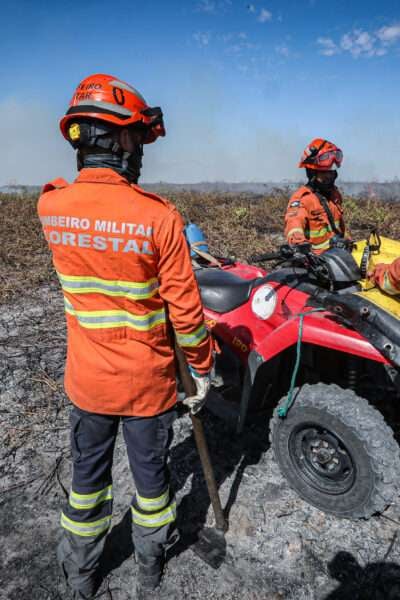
x=118 y=96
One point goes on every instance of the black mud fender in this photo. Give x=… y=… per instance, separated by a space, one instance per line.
x=377 y=326
x=254 y=362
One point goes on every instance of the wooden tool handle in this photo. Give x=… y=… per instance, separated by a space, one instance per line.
x=189 y=387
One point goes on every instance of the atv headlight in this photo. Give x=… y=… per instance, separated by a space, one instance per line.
x=264 y=302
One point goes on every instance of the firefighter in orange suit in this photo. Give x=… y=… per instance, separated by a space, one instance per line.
x=315 y=212
x=387 y=277
x=125 y=272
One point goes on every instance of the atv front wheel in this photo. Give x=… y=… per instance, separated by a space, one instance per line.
x=336 y=451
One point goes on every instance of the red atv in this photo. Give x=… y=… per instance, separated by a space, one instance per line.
x=303 y=341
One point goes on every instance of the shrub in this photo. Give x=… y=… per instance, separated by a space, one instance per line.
x=235 y=225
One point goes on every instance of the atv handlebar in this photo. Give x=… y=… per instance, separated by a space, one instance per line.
x=300 y=255
x=286 y=252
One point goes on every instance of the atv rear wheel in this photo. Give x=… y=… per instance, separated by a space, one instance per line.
x=336 y=451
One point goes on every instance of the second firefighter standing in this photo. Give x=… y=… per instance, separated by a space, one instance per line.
x=315 y=211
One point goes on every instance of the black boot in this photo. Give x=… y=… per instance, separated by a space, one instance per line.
x=88 y=591
x=149 y=574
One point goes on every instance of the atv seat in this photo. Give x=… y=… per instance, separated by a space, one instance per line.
x=222 y=291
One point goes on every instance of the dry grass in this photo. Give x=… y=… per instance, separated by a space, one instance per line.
x=24 y=259
x=234 y=225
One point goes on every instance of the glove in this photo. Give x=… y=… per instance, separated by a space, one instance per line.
x=377 y=276
x=297 y=238
x=203 y=384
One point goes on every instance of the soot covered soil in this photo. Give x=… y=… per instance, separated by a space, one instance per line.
x=278 y=547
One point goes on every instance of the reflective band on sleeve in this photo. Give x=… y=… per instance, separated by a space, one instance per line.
x=152 y=504
x=85 y=529
x=316 y=233
x=295 y=230
x=192 y=339
x=86 y=501
x=158 y=519
x=325 y=244
x=106 y=319
x=94 y=285
x=388 y=287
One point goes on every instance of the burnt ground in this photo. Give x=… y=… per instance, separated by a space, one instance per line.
x=278 y=547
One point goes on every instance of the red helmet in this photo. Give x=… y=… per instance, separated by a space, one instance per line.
x=107 y=98
x=321 y=155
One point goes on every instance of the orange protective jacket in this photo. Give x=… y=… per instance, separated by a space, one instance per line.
x=307 y=221
x=388 y=277
x=394 y=272
x=124 y=268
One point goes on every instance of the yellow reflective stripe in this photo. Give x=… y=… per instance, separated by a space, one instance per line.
x=192 y=339
x=106 y=319
x=151 y=504
x=77 y=284
x=325 y=244
x=158 y=519
x=86 y=501
x=388 y=287
x=315 y=233
x=295 y=230
x=85 y=529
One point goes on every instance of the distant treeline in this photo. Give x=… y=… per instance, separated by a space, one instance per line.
x=388 y=190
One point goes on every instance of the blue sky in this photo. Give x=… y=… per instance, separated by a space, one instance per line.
x=243 y=85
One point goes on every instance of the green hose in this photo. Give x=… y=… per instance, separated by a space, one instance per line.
x=283 y=410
